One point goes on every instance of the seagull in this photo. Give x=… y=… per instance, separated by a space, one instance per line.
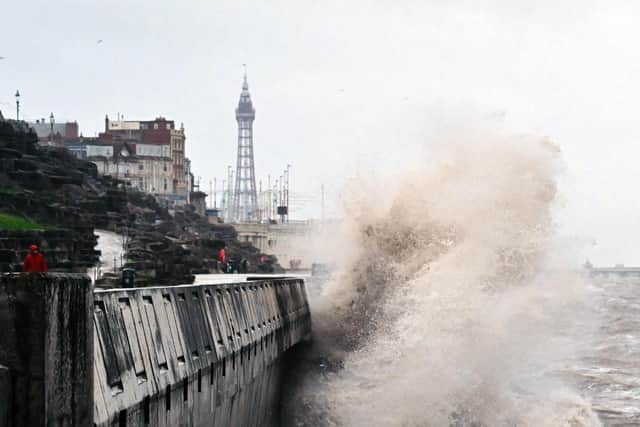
x=99 y=41
x=1 y=58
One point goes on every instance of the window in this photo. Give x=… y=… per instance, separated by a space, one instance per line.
x=140 y=167
x=165 y=169
x=168 y=125
x=141 y=183
x=155 y=126
x=165 y=184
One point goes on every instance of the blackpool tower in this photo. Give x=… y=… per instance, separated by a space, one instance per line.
x=245 y=199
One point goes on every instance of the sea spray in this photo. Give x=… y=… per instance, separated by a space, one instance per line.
x=444 y=312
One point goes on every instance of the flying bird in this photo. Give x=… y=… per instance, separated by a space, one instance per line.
x=99 y=41
x=1 y=57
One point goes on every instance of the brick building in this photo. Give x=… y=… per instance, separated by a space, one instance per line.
x=54 y=134
x=160 y=149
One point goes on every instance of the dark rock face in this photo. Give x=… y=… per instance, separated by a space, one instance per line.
x=52 y=187
x=45 y=187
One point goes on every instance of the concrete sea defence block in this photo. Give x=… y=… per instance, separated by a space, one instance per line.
x=6 y=396
x=47 y=345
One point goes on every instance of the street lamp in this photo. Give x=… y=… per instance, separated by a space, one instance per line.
x=17 y=105
x=52 y=120
x=287 y=193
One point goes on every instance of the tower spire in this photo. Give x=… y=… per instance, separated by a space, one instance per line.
x=245 y=85
x=245 y=198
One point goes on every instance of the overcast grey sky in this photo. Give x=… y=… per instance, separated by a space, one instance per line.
x=345 y=85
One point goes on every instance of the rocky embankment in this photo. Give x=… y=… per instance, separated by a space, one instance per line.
x=67 y=199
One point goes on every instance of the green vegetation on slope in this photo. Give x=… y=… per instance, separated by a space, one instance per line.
x=11 y=222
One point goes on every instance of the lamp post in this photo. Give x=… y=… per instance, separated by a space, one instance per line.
x=230 y=202
x=287 y=193
x=52 y=121
x=17 y=105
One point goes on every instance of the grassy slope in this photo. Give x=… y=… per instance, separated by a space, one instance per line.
x=11 y=222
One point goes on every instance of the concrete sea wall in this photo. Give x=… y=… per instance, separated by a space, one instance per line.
x=195 y=355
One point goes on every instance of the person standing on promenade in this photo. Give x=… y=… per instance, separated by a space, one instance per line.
x=34 y=262
x=221 y=258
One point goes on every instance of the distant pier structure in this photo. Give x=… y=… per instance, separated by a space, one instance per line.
x=619 y=270
x=245 y=197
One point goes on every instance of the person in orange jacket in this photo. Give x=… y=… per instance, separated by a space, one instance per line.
x=34 y=262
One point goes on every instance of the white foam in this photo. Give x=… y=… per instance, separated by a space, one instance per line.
x=447 y=310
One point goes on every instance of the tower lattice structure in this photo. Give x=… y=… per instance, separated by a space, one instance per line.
x=245 y=198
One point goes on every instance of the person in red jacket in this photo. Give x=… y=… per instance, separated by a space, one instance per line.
x=222 y=259
x=34 y=262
